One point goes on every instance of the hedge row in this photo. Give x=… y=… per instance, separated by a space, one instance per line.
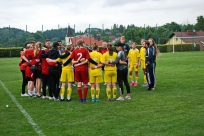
x=10 y=52
x=15 y=51
x=178 y=48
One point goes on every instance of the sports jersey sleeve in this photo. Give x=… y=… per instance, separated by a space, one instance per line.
x=59 y=60
x=138 y=54
x=72 y=54
x=119 y=57
x=103 y=57
x=87 y=55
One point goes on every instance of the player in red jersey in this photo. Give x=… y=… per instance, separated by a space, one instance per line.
x=81 y=70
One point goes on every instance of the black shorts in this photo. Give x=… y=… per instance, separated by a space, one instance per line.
x=37 y=74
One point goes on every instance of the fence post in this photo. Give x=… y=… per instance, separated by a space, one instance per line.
x=10 y=51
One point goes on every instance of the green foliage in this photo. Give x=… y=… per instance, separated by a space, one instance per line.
x=200 y=23
x=183 y=47
x=178 y=48
x=10 y=52
x=10 y=37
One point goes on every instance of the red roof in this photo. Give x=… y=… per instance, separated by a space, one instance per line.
x=198 y=36
x=87 y=40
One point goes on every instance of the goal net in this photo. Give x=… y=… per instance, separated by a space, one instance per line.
x=188 y=40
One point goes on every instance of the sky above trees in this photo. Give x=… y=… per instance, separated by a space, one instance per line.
x=58 y=13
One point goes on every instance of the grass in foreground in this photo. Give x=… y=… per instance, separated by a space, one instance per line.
x=175 y=108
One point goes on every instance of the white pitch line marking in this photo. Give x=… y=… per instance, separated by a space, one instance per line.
x=27 y=116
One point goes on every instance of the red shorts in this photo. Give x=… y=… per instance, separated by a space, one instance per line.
x=81 y=76
x=29 y=74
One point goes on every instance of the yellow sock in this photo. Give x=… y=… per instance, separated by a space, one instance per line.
x=62 y=91
x=114 y=92
x=97 y=92
x=131 y=77
x=69 y=93
x=137 y=78
x=92 y=93
x=145 y=79
x=108 y=92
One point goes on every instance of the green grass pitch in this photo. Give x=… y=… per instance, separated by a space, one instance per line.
x=175 y=108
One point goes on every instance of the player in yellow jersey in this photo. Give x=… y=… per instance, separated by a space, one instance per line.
x=142 y=62
x=95 y=75
x=67 y=75
x=133 y=58
x=110 y=72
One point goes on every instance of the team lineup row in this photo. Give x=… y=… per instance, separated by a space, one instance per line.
x=56 y=66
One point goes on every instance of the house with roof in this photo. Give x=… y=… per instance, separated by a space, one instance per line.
x=188 y=37
x=88 y=39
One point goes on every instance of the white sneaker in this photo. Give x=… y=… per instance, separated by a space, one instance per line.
x=25 y=94
x=127 y=97
x=30 y=94
x=50 y=98
x=145 y=85
x=89 y=84
x=120 y=98
x=34 y=91
x=104 y=83
x=43 y=97
x=73 y=84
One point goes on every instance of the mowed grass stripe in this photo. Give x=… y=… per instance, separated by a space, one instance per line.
x=23 y=111
x=174 y=108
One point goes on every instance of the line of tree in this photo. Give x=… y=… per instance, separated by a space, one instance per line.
x=14 y=37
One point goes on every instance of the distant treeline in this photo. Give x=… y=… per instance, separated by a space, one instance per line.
x=14 y=37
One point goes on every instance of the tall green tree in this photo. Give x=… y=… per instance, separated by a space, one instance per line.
x=199 y=26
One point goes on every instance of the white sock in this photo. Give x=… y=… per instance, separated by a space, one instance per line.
x=30 y=92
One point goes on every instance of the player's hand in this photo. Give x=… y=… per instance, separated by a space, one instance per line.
x=136 y=65
x=92 y=67
x=75 y=65
x=82 y=59
x=47 y=59
x=37 y=60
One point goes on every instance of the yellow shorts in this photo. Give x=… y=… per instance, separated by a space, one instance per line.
x=143 y=65
x=133 y=67
x=110 y=76
x=95 y=79
x=67 y=76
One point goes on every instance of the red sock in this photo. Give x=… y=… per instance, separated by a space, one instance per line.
x=85 y=91
x=79 y=92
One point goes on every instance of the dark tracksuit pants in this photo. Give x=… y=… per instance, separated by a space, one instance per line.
x=154 y=74
x=122 y=77
x=54 y=82
x=150 y=77
x=45 y=82
x=24 y=82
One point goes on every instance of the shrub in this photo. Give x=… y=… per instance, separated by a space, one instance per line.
x=178 y=48
x=10 y=52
